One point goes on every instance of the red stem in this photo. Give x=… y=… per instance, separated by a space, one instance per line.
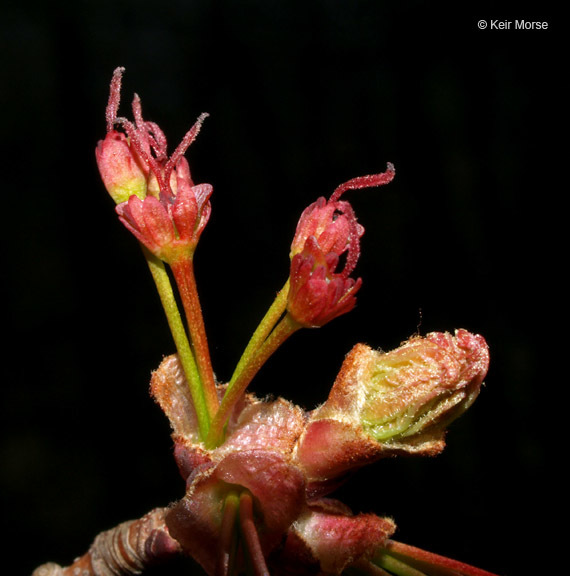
x=184 y=275
x=249 y=532
x=126 y=550
x=399 y=549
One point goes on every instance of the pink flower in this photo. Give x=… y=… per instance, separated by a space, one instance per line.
x=325 y=232
x=333 y=223
x=170 y=230
x=157 y=199
x=318 y=293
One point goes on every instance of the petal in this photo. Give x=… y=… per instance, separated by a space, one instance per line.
x=184 y=212
x=159 y=225
x=313 y=222
x=203 y=193
x=131 y=215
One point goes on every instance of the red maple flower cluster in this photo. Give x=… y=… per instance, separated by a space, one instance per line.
x=259 y=473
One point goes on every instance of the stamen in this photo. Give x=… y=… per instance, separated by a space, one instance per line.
x=251 y=537
x=365 y=182
x=137 y=111
x=158 y=140
x=142 y=149
x=183 y=146
x=114 y=98
x=353 y=252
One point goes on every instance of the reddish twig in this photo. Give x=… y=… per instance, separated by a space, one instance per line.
x=125 y=550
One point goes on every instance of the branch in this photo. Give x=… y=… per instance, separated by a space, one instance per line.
x=125 y=550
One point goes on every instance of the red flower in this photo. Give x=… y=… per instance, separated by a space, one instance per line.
x=326 y=230
x=318 y=293
x=157 y=200
x=333 y=223
x=170 y=230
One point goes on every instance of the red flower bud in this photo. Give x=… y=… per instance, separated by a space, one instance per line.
x=317 y=293
x=121 y=170
x=326 y=230
x=333 y=223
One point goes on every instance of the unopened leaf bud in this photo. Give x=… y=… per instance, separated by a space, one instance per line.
x=420 y=387
x=399 y=401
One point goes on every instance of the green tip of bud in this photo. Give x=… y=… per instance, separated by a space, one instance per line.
x=398 y=402
x=415 y=390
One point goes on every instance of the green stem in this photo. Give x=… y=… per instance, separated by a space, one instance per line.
x=272 y=316
x=228 y=536
x=164 y=287
x=237 y=385
x=364 y=567
x=396 y=566
x=416 y=555
x=183 y=271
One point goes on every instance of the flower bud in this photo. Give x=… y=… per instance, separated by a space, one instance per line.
x=120 y=167
x=399 y=401
x=332 y=222
x=318 y=293
x=327 y=231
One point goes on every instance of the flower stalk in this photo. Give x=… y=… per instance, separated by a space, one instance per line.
x=241 y=379
x=397 y=552
x=272 y=316
x=168 y=301
x=183 y=271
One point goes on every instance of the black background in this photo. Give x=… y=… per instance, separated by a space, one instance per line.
x=302 y=96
